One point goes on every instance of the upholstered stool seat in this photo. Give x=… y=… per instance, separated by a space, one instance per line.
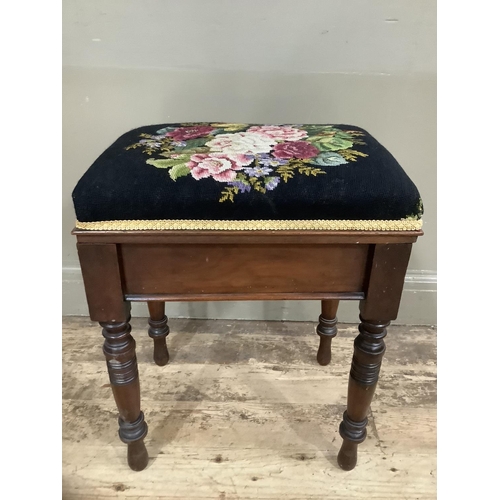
x=236 y=176
x=224 y=211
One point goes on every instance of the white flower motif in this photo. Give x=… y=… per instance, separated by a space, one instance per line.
x=246 y=143
x=279 y=132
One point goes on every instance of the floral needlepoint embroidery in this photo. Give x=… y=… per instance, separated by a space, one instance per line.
x=183 y=133
x=258 y=171
x=296 y=149
x=217 y=165
x=246 y=158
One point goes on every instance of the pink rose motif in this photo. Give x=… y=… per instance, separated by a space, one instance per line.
x=297 y=149
x=184 y=133
x=219 y=166
x=279 y=132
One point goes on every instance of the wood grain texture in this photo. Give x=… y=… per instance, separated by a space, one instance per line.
x=158 y=331
x=327 y=330
x=191 y=269
x=243 y=411
x=369 y=348
x=247 y=237
x=102 y=280
x=385 y=282
x=119 y=350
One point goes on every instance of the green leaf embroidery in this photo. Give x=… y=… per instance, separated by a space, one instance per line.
x=193 y=151
x=179 y=170
x=351 y=154
x=355 y=140
x=285 y=172
x=228 y=194
x=311 y=171
x=255 y=183
x=160 y=163
x=301 y=166
x=329 y=142
x=230 y=127
x=196 y=143
x=242 y=178
x=316 y=129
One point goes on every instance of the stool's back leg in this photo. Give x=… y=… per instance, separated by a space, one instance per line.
x=158 y=331
x=326 y=329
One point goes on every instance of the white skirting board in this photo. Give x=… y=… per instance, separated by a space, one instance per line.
x=418 y=304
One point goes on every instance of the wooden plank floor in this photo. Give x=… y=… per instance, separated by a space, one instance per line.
x=243 y=411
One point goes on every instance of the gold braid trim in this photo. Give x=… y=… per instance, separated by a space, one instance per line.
x=408 y=224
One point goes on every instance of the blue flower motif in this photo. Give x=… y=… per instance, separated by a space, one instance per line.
x=243 y=188
x=329 y=159
x=271 y=183
x=258 y=171
x=179 y=144
x=150 y=143
x=164 y=130
x=270 y=161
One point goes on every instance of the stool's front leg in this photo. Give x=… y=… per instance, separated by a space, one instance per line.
x=327 y=329
x=158 y=331
x=369 y=348
x=380 y=306
x=119 y=349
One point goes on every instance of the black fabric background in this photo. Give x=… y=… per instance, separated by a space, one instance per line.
x=121 y=186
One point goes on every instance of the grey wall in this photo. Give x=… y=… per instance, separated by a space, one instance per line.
x=369 y=63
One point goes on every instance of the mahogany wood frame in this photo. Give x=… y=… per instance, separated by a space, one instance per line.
x=119 y=267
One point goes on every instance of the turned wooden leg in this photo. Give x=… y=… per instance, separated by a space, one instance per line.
x=326 y=329
x=158 y=331
x=369 y=348
x=119 y=350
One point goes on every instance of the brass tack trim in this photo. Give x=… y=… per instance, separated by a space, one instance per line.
x=408 y=224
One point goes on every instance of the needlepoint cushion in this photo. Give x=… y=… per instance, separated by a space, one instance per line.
x=246 y=176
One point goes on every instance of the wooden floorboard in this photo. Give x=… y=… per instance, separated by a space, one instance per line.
x=243 y=411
